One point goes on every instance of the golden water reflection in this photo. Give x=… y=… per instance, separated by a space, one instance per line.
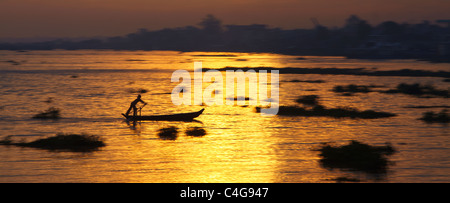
x=223 y=155
x=240 y=144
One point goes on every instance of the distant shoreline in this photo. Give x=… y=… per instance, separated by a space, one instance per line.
x=356 y=39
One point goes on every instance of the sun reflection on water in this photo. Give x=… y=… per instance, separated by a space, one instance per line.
x=240 y=145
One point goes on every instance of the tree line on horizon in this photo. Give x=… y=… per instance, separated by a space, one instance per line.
x=357 y=38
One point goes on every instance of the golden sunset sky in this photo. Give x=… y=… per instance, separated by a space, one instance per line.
x=89 y=18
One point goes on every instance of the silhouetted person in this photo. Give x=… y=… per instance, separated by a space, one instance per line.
x=133 y=106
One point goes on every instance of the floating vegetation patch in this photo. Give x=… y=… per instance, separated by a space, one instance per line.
x=431 y=117
x=308 y=100
x=215 y=55
x=12 y=62
x=306 y=81
x=356 y=156
x=62 y=142
x=169 y=133
x=419 y=90
x=321 y=111
x=314 y=109
x=6 y=141
x=352 y=88
x=51 y=113
x=196 y=132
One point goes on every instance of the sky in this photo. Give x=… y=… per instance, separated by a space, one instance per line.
x=96 y=18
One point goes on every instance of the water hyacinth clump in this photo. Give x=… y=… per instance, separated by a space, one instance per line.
x=169 y=133
x=51 y=113
x=313 y=108
x=356 y=156
x=311 y=100
x=431 y=117
x=352 y=88
x=63 y=142
x=420 y=90
x=196 y=132
x=321 y=111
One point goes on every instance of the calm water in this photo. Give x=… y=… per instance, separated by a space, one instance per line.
x=92 y=89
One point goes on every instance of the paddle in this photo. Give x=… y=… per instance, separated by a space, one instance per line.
x=140 y=109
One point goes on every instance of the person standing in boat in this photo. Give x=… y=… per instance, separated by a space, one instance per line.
x=133 y=105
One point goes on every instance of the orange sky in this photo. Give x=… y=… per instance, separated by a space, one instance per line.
x=88 y=18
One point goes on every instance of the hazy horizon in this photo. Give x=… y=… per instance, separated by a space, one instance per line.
x=21 y=19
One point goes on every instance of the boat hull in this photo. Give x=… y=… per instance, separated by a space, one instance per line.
x=172 y=117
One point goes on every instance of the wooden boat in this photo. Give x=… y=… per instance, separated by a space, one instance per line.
x=172 y=117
